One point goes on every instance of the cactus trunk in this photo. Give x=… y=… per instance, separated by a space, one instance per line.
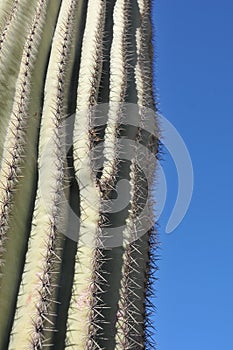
x=75 y=100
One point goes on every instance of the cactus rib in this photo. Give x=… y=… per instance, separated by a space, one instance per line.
x=118 y=83
x=88 y=85
x=132 y=322
x=18 y=21
x=20 y=149
x=46 y=242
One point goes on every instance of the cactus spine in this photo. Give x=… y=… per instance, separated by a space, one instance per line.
x=58 y=58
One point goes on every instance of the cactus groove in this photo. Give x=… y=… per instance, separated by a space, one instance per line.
x=75 y=100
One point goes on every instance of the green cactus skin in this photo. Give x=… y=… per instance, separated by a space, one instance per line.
x=59 y=58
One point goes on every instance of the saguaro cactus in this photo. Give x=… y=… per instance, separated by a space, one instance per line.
x=76 y=120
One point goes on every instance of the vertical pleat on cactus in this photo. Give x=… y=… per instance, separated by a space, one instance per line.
x=63 y=64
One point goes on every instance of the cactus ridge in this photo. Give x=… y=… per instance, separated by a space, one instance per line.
x=87 y=95
x=147 y=100
x=54 y=248
x=118 y=84
x=132 y=322
x=15 y=138
x=51 y=140
x=19 y=21
x=21 y=136
x=9 y=19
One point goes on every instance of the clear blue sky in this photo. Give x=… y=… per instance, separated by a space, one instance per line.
x=194 y=75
